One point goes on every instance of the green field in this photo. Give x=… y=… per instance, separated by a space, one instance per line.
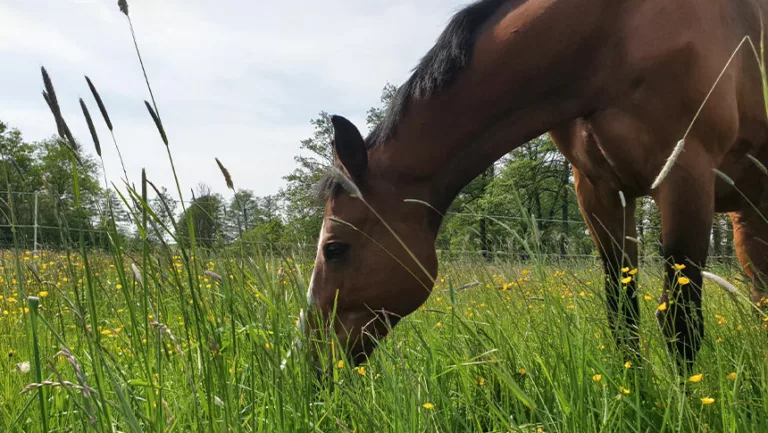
x=161 y=329
x=527 y=349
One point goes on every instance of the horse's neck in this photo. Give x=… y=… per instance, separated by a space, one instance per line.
x=529 y=73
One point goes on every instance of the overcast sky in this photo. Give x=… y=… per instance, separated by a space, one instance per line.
x=234 y=79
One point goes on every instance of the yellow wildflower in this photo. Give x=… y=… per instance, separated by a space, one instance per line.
x=42 y=294
x=522 y=371
x=628 y=364
x=696 y=378
x=679 y=267
x=439 y=324
x=340 y=364
x=361 y=371
x=707 y=400
x=647 y=298
x=626 y=280
x=633 y=272
x=662 y=307
x=428 y=406
x=731 y=376
x=597 y=377
x=624 y=391
x=480 y=380
x=683 y=281
x=625 y=269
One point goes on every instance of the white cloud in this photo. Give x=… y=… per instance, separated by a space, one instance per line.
x=237 y=79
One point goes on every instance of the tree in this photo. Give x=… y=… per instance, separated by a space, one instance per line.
x=206 y=213
x=376 y=114
x=21 y=175
x=45 y=168
x=164 y=207
x=303 y=211
x=111 y=206
x=242 y=213
x=527 y=189
x=58 y=175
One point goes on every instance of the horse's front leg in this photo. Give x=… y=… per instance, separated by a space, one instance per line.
x=611 y=221
x=686 y=201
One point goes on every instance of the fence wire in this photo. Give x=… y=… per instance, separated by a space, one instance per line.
x=39 y=234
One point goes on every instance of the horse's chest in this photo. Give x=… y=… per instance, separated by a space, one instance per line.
x=610 y=149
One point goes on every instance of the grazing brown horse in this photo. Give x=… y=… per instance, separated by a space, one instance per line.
x=617 y=83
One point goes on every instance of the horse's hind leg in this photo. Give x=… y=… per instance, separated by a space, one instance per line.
x=610 y=222
x=750 y=236
x=686 y=202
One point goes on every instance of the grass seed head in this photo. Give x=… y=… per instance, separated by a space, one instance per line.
x=99 y=102
x=91 y=128
x=227 y=176
x=158 y=122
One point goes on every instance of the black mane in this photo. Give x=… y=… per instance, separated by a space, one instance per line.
x=440 y=66
x=436 y=70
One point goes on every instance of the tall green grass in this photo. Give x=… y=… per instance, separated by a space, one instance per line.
x=526 y=349
x=177 y=338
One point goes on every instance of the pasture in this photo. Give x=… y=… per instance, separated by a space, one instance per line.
x=171 y=347
x=165 y=327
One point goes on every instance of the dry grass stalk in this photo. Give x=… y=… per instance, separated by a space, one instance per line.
x=86 y=391
x=758 y=164
x=91 y=128
x=123 y=5
x=137 y=274
x=214 y=275
x=227 y=177
x=165 y=330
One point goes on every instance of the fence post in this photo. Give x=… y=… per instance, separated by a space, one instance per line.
x=35 y=229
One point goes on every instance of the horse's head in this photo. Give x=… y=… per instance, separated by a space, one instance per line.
x=376 y=257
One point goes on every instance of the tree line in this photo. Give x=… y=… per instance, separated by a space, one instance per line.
x=524 y=202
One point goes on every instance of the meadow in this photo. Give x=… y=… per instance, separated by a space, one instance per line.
x=160 y=342
x=167 y=336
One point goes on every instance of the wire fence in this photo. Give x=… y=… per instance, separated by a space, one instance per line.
x=41 y=230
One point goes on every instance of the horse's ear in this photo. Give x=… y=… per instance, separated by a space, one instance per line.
x=349 y=147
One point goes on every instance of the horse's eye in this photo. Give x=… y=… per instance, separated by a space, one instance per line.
x=335 y=251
